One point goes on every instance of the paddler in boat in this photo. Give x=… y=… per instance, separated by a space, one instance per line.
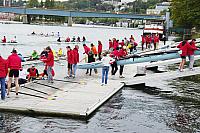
x=67 y=39
x=58 y=40
x=34 y=55
x=78 y=39
x=14 y=40
x=33 y=33
x=73 y=39
x=4 y=39
x=60 y=52
x=33 y=73
x=84 y=39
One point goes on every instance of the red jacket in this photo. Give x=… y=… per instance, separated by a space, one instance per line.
x=143 y=39
x=14 y=62
x=50 y=59
x=185 y=48
x=3 y=68
x=191 y=51
x=87 y=49
x=122 y=43
x=115 y=54
x=70 y=56
x=156 y=39
x=100 y=48
x=122 y=53
x=76 y=56
x=116 y=44
x=110 y=44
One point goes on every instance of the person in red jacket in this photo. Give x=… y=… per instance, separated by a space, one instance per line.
x=49 y=64
x=70 y=60
x=115 y=55
x=110 y=44
x=33 y=73
x=99 y=49
x=4 y=39
x=86 y=49
x=143 y=41
x=14 y=64
x=191 y=54
x=184 y=47
x=76 y=59
x=122 y=53
x=3 y=74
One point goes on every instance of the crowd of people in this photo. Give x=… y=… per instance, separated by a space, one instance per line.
x=116 y=51
x=150 y=41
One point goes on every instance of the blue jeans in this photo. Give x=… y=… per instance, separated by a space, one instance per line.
x=105 y=70
x=74 y=66
x=49 y=72
x=3 y=88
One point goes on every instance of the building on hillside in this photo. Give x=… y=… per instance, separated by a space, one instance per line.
x=159 y=8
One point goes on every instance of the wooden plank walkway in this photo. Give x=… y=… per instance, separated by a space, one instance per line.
x=81 y=98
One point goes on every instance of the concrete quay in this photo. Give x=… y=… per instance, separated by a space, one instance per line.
x=82 y=96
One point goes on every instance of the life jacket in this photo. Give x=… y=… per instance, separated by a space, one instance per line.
x=33 y=72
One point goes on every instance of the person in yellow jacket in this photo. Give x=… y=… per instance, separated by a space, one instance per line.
x=60 y=52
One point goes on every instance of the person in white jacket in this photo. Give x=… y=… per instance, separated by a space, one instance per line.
x=106 y=60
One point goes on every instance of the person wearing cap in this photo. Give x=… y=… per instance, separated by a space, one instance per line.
x=70 y=60
x=191 y=54
x=33 y=73
x=49 y=60
x=14 y=64
x=3 y=74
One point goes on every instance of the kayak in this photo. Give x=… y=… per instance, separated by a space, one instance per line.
x=8 y=43
x=70 y=43
x=152 y=56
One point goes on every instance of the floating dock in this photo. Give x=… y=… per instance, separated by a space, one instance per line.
x=80 y=97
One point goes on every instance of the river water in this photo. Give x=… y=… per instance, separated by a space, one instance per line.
x=132 y=110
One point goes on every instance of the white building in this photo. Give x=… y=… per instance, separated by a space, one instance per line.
x=159 y=8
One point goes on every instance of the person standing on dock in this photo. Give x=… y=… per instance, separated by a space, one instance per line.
x=106 y=60
x=191 y=54
x=115 y=55
x=122 y=54
x=143 y=41
x=70 y=60
x=14 y=64
x=156 y=41
x=76 y=59
x=184 y=47
x=3 y=74
x=94 y=51
x=49 y=64
x=110 y=44
x=100 y=47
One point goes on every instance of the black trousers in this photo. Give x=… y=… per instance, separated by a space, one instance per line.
x=121 y=69
x=114 y=68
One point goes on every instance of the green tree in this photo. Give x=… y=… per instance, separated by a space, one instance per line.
x=33 y=3
x=186 y=13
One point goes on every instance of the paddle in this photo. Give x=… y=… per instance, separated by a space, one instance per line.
x=23 y=93
x=71 y=81
x=36 y=90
